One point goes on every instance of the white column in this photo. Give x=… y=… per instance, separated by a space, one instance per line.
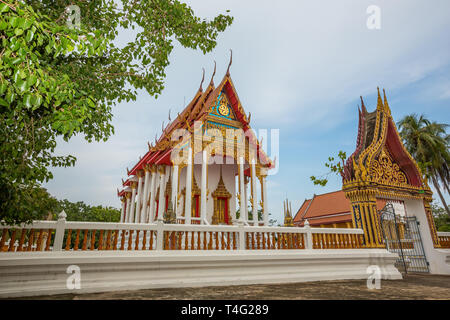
x=254 y=194
x=145 y=195
x=122 y=212
x=137 y=216
x=241 y=192
x=127 y=208
x=175 y=189
x=161 y=201
x=133 y=202
x=264 y=200
x=151 y=209
x=203 y=188
x=245 y=199
x=187 y=203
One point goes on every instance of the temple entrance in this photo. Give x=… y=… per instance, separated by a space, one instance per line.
x=222 y=211
x=402 y=236
x=196 y=209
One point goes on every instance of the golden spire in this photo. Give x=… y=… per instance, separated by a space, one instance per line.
x=203 y=78
x=386 y=105
x=363 y=107
x=211 y=83
x=380 y=106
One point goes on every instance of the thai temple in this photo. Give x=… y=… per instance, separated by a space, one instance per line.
x=205 y=161
x=194 y=213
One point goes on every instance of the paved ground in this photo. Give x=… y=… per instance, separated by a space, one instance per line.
x=412 y=287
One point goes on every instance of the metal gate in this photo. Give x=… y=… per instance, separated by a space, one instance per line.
x=402 y=236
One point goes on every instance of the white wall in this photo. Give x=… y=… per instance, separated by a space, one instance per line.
x=436 y=257
x=45 y=273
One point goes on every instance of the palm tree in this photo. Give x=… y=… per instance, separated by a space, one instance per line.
x=428 y=143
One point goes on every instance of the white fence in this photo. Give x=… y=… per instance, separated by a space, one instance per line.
x=69 y=235
x=444 y=239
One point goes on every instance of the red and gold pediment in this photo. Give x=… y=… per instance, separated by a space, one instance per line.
x=380 y=158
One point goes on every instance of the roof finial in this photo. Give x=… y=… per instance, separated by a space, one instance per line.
x=231 y=60
x=203 y=78
x=169 y=115
x=386 y=105
x=363 y=107
x=162 y=127
x=212 y=77
x=379 y=102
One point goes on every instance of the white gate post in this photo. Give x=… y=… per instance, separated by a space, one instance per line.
x=59 y=232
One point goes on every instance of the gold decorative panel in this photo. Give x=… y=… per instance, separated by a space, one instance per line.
x=385 y=171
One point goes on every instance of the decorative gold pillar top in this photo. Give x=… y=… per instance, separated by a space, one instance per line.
x=140 y=173
x=162 y=169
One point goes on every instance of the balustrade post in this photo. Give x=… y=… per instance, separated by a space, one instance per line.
x=159 y=235
x=59 y=232
x=308 y=234
x=241 y=231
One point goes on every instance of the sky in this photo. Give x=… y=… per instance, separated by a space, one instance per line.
x=298 y=66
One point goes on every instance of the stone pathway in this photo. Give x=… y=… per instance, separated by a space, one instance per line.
x=414 y=286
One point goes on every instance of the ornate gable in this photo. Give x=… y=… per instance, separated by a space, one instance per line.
x=221 y=108
x=380 y=158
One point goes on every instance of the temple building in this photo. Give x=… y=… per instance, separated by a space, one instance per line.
x=333 y=210
x=379 y=173
x=205 y=161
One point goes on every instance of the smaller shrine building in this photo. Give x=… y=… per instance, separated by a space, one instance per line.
x=380 y=173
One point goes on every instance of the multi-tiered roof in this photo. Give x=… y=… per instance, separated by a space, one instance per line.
x=203 y=108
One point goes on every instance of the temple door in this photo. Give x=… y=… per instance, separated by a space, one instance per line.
x=196 y=209
x=222 y=210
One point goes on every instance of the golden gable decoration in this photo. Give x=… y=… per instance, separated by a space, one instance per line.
x=385 y=171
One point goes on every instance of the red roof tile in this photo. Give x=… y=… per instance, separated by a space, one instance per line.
x=332 y=207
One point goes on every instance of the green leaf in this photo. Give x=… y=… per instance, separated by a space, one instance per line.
x=3 y=102
x=13 y=22
x=31 y=80
x=3 y=8
x=30 y=36
x=27 y=100
x=3 y=86
x=22 y=85
x=3 y=25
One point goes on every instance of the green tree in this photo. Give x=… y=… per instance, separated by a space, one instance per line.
x=79 y=211
x=441 y=219
x=334 y=166
x=271 y=221
x=428 y=143
x=58 y=79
